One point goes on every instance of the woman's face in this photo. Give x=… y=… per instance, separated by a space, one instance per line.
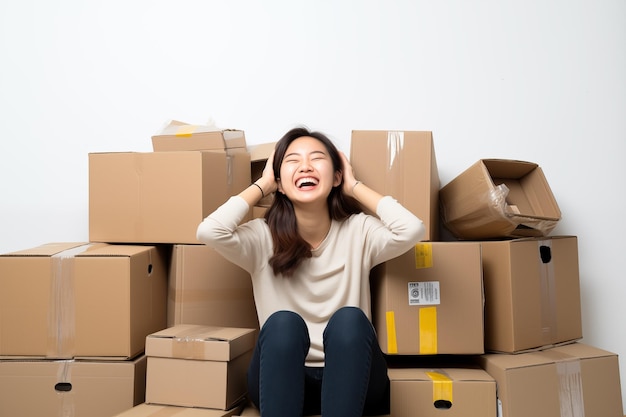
x=306 y=172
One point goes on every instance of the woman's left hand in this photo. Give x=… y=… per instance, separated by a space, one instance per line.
x=349 y=181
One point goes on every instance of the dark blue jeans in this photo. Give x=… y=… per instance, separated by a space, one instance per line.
x=353 y=382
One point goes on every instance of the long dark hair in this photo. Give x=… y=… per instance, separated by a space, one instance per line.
x=290 y=249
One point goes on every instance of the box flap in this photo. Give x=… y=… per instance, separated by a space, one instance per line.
x=190 y=341
x=108 y=250
x=47 y=249
x=176 y=135
x=261 y=151
x=455 y=374
x=508 y=168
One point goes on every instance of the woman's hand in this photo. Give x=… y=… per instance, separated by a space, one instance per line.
x=349 y=181
x=268 y=179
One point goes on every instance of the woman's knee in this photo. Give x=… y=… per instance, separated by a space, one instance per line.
x=349 y=324
x=284 y=329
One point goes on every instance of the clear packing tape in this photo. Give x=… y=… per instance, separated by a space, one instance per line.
x=569 y=376
x=61 y=314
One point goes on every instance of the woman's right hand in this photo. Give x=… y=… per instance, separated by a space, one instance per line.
x=268 y=178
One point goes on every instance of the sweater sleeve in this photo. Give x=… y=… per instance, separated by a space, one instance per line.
x=222 y=231
x=402 y=230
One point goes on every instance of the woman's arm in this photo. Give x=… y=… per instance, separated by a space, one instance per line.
x=368 y=198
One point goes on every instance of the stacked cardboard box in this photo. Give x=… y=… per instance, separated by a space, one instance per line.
x=428 y=302
x=74 y=317
x=533 y=323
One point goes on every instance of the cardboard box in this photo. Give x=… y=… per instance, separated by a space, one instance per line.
x=160 y=197
x=198 y=366
x=153 y=410
x=205 y=288
x=180 y=136
x=453 y=392
x=572 y=380
x=497 y=198
x=259 y=155
x=430 y=300
x=532 y=293
x=35 y=388
x=65 y=300
x=401 y=164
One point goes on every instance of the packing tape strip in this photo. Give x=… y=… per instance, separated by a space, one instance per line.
x=185 y=131
x=188 y=347
x=569 y=375
x=65 y=396
x=61 y=313
x=428 y=330
x=423 y=255
x=442 y=386
x=395 y=171
x=570 y=388
x=392 y=341
x=548 y=292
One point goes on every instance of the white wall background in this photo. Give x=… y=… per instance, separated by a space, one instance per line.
x=543 y=81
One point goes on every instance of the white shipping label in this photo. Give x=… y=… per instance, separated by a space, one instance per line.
x=424 y=293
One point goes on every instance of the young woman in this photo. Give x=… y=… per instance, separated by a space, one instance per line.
x=310 y=259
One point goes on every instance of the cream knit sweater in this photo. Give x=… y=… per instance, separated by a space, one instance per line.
x=336 y=275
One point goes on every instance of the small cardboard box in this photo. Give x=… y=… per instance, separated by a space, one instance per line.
x=569 y=380
x=430 y=300
x=160 y=197
x=450 y=392
x=401 y=164
x=34 y=388
x=205 y=288
x=65 y=300
x=532 y=293
x=198 y=366
x=180 y=136
x=497 y=198
x=153 y=410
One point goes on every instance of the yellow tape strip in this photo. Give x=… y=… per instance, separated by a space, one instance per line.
x=392 y=341
x=442 y=386
x=185 y=131
x=428 y=330
x=423 y=255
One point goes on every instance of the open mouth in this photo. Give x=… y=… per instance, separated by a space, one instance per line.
x=306 y=182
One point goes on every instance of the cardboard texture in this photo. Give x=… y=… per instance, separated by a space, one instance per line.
x=35 y=388
x=76 y=300
x=430 y=300
x=160 y=197
x=198 y=366
x=450 y=392
x=180 y=136
x=570 y=380
x=401 y=164
x=153 y=410
x=532 y=293
x=205 y=288
x=258 y=159
x=497 y=198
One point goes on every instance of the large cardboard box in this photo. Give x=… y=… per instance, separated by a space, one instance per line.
x=570 y=380
x=205 y=288
x=65 y=300
x=450 y=392
x=401 y=164
x=154 y=410
x=180 y=136
x=198 y=366
x=430 y=300
x=497 y=198
x=160 y=197
x=532 y=293
x=35 y=388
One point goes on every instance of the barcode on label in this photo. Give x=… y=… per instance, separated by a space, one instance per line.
x=424 y=293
